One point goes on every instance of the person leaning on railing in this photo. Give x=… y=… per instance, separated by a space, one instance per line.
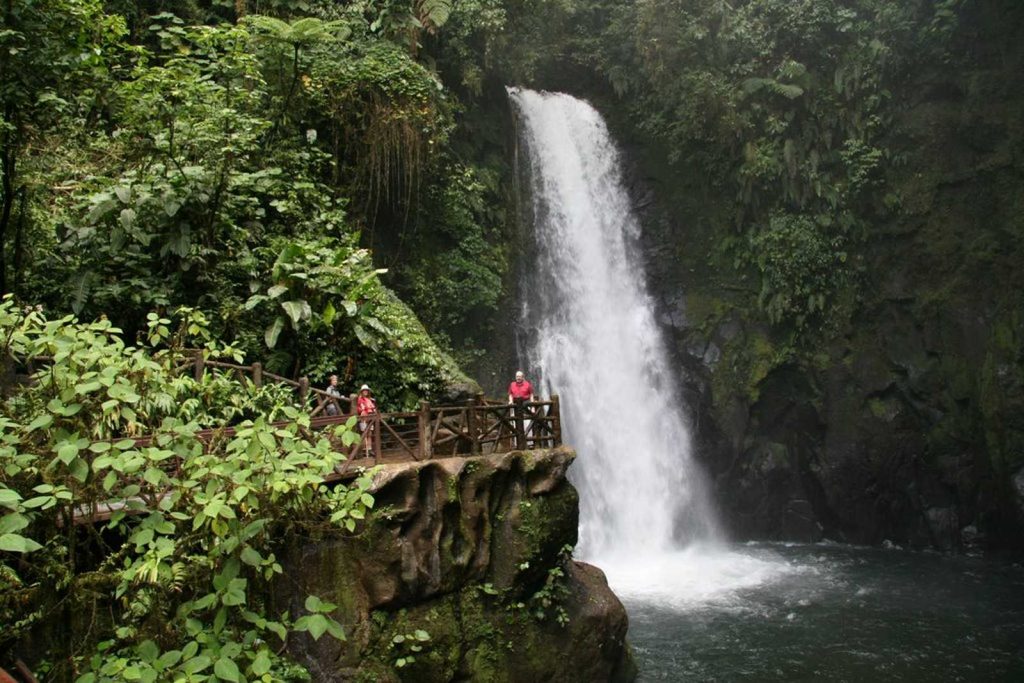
x=519 y=393
x=366 y=406
x=520 y=390
x=333 y=408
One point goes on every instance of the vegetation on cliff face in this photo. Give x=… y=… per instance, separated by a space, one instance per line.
x=832 y=209
x=175 y=585
x=205 y=154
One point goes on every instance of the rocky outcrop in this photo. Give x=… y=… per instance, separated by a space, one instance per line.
x=475 y=553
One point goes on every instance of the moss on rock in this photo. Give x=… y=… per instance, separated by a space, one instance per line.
x=465 y=546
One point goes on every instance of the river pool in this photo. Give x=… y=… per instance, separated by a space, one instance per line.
x=783 y=612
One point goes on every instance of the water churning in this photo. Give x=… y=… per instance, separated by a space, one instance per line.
x=592 y=337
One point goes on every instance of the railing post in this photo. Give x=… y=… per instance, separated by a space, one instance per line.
x=198 y=362
x=518 y=408
x=257 y=375
x=303 y=390
x=474 y=441
x=423 y=425
x=353 y=410
x=376 y=437
x=482 y=426
x=556 y=421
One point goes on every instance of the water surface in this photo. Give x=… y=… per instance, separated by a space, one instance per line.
x=835 y=613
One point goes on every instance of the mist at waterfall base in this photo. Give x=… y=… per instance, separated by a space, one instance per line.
x=700 y=607
x=645 y=516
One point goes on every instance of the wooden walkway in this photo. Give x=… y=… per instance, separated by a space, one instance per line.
x=478 y=426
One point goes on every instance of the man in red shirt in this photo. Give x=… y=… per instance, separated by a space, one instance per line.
x=520 y=390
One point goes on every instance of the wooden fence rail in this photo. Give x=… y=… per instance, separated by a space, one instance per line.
x=475 y=428
x=478 y=426
x=481 y=425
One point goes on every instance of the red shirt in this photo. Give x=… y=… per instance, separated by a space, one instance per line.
x=366 y=405
x=521 y=390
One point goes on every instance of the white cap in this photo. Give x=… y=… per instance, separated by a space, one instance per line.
x=365 y=387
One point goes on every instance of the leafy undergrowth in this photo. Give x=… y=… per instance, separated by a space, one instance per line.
x=175 y=585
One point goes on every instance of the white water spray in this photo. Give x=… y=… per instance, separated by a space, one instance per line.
x=595 y=341
x=645 y=515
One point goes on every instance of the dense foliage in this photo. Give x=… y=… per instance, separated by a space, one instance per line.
x=786 y=106
x=185 y=174
x=272 y=172
x=156 y=159
x=177 y=584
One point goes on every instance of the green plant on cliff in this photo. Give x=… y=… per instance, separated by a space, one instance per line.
x=547 y=601
x=802 y=267
x=56 y=57
x=407 y=646
x=185 y=565
x=456 y=284
x=323 y=291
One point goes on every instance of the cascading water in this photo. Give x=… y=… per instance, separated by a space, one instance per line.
x=701 y=609
x=595 y=341
x=591 y=336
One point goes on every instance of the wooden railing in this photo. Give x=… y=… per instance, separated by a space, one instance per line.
x=474 y=428
x=198 y=363
x=478 y=426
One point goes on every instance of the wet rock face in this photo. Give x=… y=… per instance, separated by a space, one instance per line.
x=904 y=421
x=469 y=550
x=899 y=434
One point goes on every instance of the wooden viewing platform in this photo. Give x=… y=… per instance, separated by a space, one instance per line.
x=477 y=426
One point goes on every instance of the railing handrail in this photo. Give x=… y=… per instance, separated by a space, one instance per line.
x=478 y=425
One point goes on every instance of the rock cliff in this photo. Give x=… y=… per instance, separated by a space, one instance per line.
x=899 y=419
x=903 y=423
x=463 y=574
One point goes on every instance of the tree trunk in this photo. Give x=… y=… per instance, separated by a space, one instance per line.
x=7 y=168
x=19 y=240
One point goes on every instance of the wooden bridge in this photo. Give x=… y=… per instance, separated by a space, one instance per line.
x=474 y=427
x=477 y=426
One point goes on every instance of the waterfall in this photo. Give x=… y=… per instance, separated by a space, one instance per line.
x=591 y=336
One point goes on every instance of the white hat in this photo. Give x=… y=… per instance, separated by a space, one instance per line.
x=365 y=387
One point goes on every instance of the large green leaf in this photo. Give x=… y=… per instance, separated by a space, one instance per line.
x=297 y=311
x=273 y=332
x=435 y=13
x=16 y=543
x=79 y=469
x=329 y=313
x=12 y=522
x=41 y=422
x=226 y=670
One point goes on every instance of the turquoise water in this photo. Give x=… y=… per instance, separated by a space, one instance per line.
x=836 y=613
